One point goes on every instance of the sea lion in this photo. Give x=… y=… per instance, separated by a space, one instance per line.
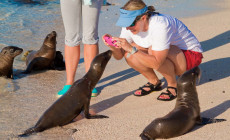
x=7 y=56
x=75 y=100
x=184 y=116
x=43 y=58
x=59 y=63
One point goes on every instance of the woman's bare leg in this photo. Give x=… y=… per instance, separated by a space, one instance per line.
x=90 y=51
x=174 y=65
x=148 y=73
x=72 y=57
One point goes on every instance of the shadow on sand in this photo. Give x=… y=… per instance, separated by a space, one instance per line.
x=214 y=112
x=216 y=41
x=218 y=68
x=214 y=70
x=118 y=77
x=108 y=103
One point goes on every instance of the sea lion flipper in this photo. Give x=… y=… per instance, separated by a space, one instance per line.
x=96 y=116
x=10 y=74
x=210 y=120
x=89 y=116
x=33 y=64
x=30 y=67
x=28 y=132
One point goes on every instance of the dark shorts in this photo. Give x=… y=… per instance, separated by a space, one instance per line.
x=193 y=58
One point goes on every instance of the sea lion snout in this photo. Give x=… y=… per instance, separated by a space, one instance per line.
x=12 y=51
x=108 y=54
x=196 y=71
x=53 y=33
x=50 y=40
x=190 y=76
x=100 y=61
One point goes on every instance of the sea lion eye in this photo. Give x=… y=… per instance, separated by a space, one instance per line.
x=11 y=50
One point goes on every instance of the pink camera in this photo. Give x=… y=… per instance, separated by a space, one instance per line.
x=110 y=41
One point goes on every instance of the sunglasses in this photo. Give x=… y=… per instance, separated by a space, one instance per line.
x=135 y=21
x=133 y=24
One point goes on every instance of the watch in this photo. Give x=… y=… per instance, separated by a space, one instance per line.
x=134 y=50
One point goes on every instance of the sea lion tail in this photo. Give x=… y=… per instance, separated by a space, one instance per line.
x=28 y=132
x=211 y=120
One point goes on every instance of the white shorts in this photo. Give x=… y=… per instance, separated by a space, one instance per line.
x=80 y=21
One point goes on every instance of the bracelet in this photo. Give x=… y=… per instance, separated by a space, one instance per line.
x=134 y=50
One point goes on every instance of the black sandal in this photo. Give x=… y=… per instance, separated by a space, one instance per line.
x=171 y=96
x=149 y=85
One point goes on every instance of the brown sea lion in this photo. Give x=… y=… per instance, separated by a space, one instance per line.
x=75 y=100
x=184 y=116
x=59 y=63
x=7 y=56
x=43 y=59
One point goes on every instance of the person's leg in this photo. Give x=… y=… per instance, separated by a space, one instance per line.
x=72 y=57
x=90 y=51
x=71 y=15
x=148 y=73
x=90 y=18
x=174 y=65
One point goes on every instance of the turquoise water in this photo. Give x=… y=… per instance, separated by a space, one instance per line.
x=20 y=21
x=25 y=24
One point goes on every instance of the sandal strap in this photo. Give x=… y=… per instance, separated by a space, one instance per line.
x=169 y=93
x=151 y=86
x=172 y=88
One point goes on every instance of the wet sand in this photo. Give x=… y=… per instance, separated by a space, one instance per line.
x=23 y=100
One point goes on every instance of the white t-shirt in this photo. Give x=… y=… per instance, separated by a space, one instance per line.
x=164 y=31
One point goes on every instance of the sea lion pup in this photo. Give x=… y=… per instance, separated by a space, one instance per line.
x=7 y=56
x=59 y=63
x=43 y=58
x=75 y=100
x=185 y=114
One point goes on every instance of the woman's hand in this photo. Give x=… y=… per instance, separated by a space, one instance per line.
x=117 y=51
x=110 y=41
x=123 y=43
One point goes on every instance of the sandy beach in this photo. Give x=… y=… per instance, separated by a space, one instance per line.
x=24 y=100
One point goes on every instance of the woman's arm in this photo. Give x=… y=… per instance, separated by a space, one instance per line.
x=118 y=52
x=152 y=59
